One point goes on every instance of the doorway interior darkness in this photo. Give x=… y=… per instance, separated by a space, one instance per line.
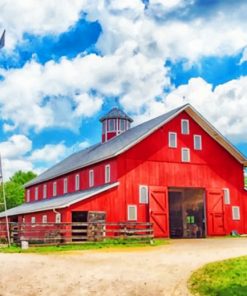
x=186 y=212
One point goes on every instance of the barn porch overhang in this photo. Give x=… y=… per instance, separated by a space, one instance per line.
x=57 y=202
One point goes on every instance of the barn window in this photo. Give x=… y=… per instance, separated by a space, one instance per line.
x=172 y=140
x=107 y=173
x=185 y=130
x=104 y=127
x=197 y=142
x=122 y=124
x=54 y=188
x=65 y=185
x=23 y=220
x=33 y=220
x=77 y=182
x=91 y=178
x=36 y=193
x=132 y=212
x=44 y=219
x=44 y=191
x=143 y=194
x=58 y=218
x=235 y=213
x=28 y=195
x=185 y=154
x=227 y=200
x=111 y=125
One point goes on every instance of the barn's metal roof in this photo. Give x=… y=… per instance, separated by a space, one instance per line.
x=56 y=202
x=103 y=151
x=116 y=113
x=126 y=140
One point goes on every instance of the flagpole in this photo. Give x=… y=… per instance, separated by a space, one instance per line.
x=4 y=201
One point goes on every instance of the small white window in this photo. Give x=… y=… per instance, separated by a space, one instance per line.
x=107 y=173
x=54 y=188
x=172 y=140
x=227 y=199
x=44 y=191
x=33 y=220
x=23 y=220
x=235 y=213
x=91 y=178
x=28 y=195
x=185 y=129
x=197 y=142
x=143 y=194
x=132 y=212
x=77 y=182
x=58 y=218
x=36 y=193
x=111 y=125
x=44 y=219
x=185 y=154
x=122 y=124
x=65 y=185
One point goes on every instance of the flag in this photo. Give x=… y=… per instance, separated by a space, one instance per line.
x=2 y=40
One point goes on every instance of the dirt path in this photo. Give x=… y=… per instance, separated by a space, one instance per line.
x=147 y=271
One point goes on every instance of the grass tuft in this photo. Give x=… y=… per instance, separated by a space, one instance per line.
x=223 y=278
x=108 y=243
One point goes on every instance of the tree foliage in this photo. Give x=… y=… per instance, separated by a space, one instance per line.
x=14 y=190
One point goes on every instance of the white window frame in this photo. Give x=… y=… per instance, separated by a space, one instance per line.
x=200 y=142
x=141 y=199
x=234 y=216
x=109 y=124
x=135 y=212
x=169 y=140
x=28 y=195
x=227 y=196
x=182 y=154
x=58 y=218
x=107 y=173
x=54 y=189
x=33 y=220
x=36 y=193
x=65 y=185
x=77 y=182
x=91 y=178
x=44 y=191
x=44 y=219
x=182 y=126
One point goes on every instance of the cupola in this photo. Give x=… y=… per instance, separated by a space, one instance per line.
x=114 y=123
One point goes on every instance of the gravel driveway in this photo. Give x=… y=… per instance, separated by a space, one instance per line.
x=145 y=271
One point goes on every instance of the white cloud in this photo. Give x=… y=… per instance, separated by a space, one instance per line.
x=16 y=145
x=49 y=153
x=37 y=17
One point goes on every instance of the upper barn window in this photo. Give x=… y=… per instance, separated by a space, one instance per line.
x=77 y=182
x=65 y=185
x=36 y=196
x=44 y=191
x=91 y=178
x=54 y=188
x=185 y=154
x=197 y=142
x=143 y=194
x=28 y=195
x=185 y=128
x=227 y=200
x=107 y=173
x=172 y=138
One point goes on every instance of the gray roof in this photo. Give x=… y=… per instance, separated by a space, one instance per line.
x=105 y=150
x=57 y=202
x=116 y=113
x=126 y=140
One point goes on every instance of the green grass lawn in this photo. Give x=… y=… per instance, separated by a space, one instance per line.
x=224 y=278
x=108 y=243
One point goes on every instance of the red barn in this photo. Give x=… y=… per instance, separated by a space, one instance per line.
x=176 y=171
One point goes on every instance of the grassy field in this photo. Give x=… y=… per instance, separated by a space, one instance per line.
x=109 y=243
x=224 y=278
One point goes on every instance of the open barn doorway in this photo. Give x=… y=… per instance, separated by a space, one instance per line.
x=79 y=225
x=186 y=212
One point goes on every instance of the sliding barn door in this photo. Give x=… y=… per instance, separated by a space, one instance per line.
x=158 y=209
x=215 y=212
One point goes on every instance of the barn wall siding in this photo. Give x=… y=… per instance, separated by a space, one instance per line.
x=153 y=163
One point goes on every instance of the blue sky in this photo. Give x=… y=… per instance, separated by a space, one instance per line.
x=65 y=64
